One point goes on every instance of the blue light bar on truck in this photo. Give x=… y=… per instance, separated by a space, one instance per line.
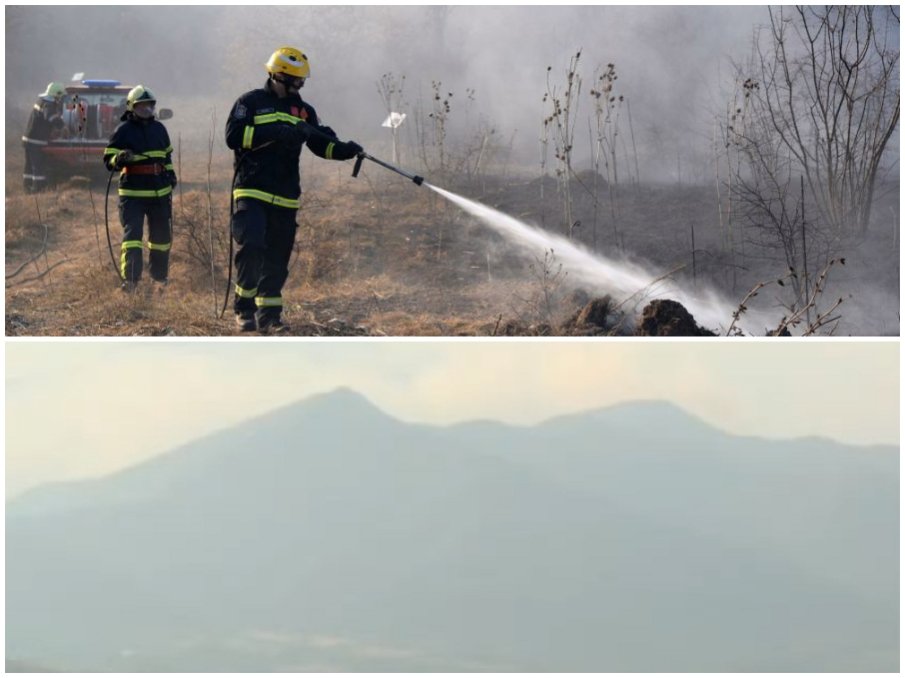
x=101 y=83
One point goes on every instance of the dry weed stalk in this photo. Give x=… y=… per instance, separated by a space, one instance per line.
x=606 y=115
x=798 y=312
x=549 y=277
x=440 y=117
x=562 y=120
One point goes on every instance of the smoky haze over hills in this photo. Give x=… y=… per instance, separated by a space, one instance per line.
x=671 y=61
x=330 y=536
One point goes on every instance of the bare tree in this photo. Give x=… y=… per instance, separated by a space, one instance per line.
x=766 y=191
x=823 y=101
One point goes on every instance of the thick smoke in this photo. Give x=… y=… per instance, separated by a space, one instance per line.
x=668 y=60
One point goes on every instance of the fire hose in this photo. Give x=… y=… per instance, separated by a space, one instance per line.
x=107 y=225
x=232 y=213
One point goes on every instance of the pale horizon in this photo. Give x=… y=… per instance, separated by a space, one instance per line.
x=774 y=391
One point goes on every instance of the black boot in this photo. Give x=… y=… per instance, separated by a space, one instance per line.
x=245 y=321
x=272 y=325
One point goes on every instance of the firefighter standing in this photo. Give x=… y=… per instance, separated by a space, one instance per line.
x=267 y=128
x=140 y=148
x=44 y=119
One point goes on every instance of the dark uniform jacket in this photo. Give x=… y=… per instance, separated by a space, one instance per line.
x=268 y=169
x=40 y=124
x=150 y=174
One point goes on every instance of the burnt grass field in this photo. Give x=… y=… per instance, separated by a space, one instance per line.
x=379 y=256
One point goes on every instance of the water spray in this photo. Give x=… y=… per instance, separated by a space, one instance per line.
x=621 y=278
x=362 y=156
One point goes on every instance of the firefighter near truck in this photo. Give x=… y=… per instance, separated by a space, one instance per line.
x=68 y=129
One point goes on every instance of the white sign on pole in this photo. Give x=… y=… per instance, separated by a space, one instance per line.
x=393 y=120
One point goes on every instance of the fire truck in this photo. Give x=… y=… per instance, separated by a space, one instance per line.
x=91 y=110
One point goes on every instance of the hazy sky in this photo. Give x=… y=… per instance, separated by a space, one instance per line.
x=77 y=409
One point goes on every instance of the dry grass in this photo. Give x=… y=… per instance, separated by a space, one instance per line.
x=374 y=256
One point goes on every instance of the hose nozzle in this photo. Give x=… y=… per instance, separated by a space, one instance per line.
x=361 y=157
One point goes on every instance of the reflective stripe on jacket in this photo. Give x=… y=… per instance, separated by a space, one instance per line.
x=269 y=167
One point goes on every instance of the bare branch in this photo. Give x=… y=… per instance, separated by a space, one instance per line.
x=37 y=256
x=39 y=276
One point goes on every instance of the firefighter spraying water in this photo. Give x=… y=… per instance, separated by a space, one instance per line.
x=266 y=129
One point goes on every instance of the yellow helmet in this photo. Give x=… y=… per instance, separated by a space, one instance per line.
x=55 y=90
x=137 y=95
x=290 y=61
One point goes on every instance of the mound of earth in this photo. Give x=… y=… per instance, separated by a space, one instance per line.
x=668 y=318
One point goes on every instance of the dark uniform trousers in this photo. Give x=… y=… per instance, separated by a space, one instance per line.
x=265 y=235
x=35 y=175
x=132 y=213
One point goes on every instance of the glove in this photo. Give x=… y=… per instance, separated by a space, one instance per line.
x=346 y=150
x=173 y=181
x=124 y=157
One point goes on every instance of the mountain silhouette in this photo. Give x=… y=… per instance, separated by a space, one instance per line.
x=327 y=535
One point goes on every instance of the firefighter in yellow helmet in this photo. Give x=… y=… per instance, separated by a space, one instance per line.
x=140 y=148
x=45 y=118
x=266 y=129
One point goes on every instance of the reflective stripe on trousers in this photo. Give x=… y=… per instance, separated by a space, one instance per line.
x=126 y=246
x=134 y=193
x=264 y=196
